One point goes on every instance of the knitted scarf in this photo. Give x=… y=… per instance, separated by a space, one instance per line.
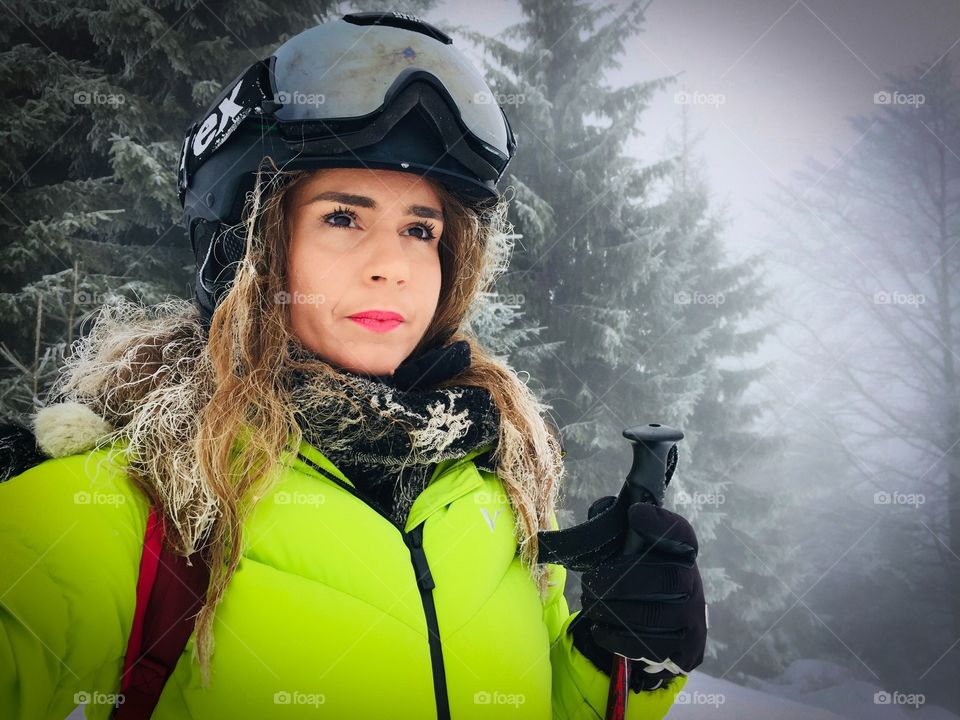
x=387 y=436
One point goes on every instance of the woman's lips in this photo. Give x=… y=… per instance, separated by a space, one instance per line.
x=379 y=326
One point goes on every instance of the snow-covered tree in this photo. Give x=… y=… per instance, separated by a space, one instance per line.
x=621 y=263
x=97 y=96
x=874 y=237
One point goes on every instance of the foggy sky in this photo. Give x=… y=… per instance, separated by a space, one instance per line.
x=789 y=71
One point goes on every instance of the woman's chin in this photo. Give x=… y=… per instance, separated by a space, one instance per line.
x=374 y=367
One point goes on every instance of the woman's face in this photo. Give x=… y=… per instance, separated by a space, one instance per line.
x=363 y=240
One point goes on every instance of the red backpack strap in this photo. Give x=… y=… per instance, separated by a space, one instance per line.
x=170 y=593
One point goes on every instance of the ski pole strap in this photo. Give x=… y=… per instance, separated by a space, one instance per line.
x=170 y=592
x=580 y=547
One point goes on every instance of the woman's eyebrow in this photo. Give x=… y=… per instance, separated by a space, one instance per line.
x=367 y=202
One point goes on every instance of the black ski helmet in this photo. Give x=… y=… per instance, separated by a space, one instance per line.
x=374 y=90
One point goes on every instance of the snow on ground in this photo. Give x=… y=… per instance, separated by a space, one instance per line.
x=807 y=690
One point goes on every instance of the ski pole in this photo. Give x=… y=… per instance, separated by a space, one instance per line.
x=646 y=483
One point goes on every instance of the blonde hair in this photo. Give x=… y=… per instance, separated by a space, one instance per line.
x=181 y=398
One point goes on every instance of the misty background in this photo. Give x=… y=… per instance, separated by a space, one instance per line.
x=737 y=218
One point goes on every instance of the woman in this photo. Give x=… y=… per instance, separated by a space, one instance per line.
x=358 y=482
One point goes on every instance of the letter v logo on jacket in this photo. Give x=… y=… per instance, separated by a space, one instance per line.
x=491 y=522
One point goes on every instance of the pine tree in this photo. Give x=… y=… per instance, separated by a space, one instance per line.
x=615 y=275
x=727 y=443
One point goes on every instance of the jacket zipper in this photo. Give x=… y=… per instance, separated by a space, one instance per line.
x=414 y=541
x=425 y=581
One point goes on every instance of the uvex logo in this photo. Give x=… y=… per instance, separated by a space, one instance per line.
x=220 y=122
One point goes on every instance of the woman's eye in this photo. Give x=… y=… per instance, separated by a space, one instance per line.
x=339 y=215
x=344 y=218
x=427 y=231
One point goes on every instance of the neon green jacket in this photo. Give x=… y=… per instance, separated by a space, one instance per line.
x=324 y=616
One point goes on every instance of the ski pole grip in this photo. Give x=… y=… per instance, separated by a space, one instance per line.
x=646 y=483
x=647 y=479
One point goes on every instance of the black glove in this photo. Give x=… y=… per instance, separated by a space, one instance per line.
x=647 y=605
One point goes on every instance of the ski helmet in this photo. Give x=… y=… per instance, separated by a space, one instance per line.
x=369 y=90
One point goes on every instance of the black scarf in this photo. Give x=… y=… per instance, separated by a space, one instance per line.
x=391 y=462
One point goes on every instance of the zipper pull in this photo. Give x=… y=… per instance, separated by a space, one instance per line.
x=424 y=577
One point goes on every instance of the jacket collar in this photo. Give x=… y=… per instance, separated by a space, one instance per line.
x=451 y=479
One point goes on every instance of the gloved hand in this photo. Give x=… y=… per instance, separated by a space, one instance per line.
x=648 y=605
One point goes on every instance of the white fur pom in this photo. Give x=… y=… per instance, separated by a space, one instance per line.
x=68 y=428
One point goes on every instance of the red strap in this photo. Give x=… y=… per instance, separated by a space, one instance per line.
x=169 y=594
x=149 y=561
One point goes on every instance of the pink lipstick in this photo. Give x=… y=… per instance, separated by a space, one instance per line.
x=378 y=320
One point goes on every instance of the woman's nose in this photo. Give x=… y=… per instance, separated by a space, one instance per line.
x=388 y=257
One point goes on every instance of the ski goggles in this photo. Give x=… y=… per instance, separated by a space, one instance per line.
x=350 y=88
